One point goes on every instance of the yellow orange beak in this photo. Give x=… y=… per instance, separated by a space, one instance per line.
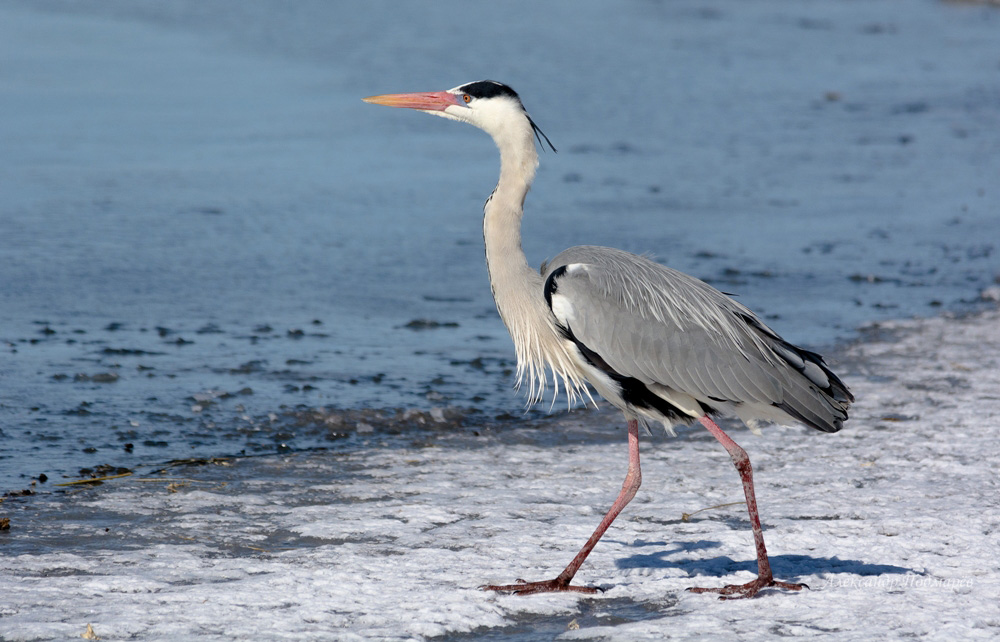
x=425 y=101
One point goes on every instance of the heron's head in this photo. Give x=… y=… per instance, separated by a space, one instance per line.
x=489 y=105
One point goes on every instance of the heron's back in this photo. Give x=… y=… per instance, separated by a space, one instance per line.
x=676 y=334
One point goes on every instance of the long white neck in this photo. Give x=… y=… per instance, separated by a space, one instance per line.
x=511 y=277
x=517 y=288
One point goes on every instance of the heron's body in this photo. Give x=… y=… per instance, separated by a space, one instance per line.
x=666 y=347
x=660 y=345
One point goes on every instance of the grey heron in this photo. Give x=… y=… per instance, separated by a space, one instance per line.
x=658 y=344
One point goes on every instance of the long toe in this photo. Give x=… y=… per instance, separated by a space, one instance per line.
x=548 y=586
x=750 y=589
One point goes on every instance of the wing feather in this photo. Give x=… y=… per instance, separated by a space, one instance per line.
x=661 y=326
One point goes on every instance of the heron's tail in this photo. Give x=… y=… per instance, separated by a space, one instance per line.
x=817 y=398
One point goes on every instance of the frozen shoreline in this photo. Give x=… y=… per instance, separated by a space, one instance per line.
x=887 y=521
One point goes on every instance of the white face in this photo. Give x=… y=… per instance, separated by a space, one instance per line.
x=488 y=105
x=489 y=114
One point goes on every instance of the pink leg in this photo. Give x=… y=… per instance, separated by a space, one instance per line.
x=764 y=576
x=562 y=582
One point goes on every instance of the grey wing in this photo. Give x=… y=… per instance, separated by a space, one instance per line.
x=676 y=334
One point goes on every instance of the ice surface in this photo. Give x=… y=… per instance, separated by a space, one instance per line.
x=891 y=522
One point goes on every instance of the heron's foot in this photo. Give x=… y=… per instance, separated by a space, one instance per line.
x=750 y=589
x=520 y=587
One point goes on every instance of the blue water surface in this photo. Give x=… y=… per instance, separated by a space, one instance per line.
x=205 y=235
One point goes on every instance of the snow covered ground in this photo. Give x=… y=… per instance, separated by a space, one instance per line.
x=893 y=523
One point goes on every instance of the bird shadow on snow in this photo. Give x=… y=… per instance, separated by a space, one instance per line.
x=786 y=567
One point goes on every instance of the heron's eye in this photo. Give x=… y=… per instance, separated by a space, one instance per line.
x=467 y=98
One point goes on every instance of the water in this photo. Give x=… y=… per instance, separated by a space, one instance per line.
x=204 y=227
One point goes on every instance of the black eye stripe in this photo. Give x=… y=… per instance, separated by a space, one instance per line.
x=488 y=89
x=492 y=89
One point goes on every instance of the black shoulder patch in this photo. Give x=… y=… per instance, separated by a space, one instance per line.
x=551 y=287
x=489 y=89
